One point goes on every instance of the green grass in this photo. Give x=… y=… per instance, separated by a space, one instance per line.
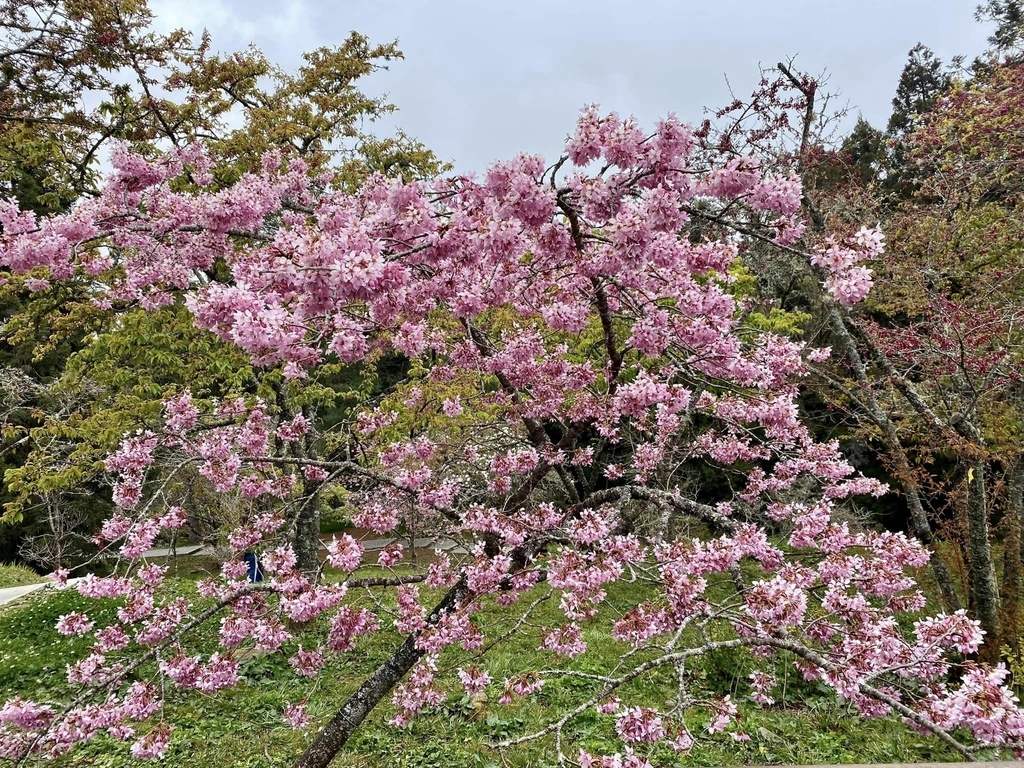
x=17 y=576
x=242 y=727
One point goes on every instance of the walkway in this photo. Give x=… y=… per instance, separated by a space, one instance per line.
x=10 y=594
x=369 y=545
x=13 y=593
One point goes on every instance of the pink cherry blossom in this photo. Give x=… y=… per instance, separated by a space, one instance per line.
x=575 y=345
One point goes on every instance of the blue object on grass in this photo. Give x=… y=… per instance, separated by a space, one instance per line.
x=255 y=573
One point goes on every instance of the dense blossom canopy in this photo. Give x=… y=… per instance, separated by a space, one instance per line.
x=578 y=340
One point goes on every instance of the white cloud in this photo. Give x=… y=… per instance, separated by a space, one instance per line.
x=482 y=80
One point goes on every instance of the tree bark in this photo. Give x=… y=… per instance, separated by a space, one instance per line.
x=307 y=523
x=984 y=589
x=918 y=517
x=359 y=704
x=1016 y=493
x=307 y=536
x=923 y=530
x=1014 y=522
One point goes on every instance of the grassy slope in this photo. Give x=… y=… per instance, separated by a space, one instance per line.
x=242 y=726
x=17 y=576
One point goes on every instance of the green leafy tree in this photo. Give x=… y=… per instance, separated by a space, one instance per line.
x=929 y=365
x=865 y=151
x=1007 y=40
x=153 y=92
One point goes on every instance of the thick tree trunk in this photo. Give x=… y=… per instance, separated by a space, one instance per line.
x=1012 y=556
x=984 y=589
x=307 y=523
x=336 y=733
x=307 y=536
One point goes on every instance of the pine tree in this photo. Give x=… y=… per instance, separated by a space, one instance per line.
x=864 y=150
x=921 y=83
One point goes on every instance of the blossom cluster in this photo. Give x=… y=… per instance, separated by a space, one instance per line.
x=498 y=288
x=848 y=281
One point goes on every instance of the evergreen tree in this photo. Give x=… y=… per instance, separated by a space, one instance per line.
x=1008 y=38
x=921 y=83
x=864 y=150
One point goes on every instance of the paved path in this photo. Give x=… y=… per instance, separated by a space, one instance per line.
x=445 y=545
x=188 y=549
x=370 y=545
x=13 y=593
x=185 y=549
x=10 y=594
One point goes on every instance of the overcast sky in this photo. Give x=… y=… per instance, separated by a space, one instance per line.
x=483 y=80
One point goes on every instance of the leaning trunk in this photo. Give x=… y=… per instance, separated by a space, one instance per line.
x=353 y=712
x=923 y=530
x=918 y=517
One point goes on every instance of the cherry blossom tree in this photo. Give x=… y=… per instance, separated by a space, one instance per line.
x=574 y=346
